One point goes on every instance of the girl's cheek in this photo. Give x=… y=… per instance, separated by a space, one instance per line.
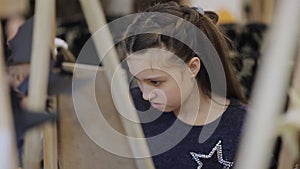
x=140 y=85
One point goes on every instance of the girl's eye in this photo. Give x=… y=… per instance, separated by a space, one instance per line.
x=155 y=83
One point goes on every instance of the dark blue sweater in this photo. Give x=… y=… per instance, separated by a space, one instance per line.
x=174 y=144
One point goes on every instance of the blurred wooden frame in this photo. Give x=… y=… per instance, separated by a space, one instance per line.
x=44 y=21
x=76 y=149
x=7 y=129
x=290 y=151
x=95 y=19
x=8 y=148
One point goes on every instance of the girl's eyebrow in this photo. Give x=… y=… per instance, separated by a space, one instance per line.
x=151 y=78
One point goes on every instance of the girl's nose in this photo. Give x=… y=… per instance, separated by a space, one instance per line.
x=148 y=93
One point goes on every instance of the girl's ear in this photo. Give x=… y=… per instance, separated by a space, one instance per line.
x=213 y=16
x=194 y=66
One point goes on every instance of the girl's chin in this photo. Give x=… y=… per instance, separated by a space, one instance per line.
x=159 y=106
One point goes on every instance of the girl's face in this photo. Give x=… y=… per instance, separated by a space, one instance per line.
x=165 y=84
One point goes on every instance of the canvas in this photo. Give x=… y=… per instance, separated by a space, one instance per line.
x=78 y=133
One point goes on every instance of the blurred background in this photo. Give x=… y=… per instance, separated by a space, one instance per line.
x=244 y=23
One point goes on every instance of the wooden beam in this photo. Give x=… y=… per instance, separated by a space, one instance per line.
x=289 y=153
x=39 y=72
x=50 y=129
x=8 y=143
x=50 y=139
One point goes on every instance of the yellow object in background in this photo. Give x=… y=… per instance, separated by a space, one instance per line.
x=225 y=16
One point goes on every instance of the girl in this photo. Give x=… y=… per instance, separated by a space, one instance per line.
x=180 y=61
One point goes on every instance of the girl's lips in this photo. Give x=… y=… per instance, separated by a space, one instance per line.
x=157 y=105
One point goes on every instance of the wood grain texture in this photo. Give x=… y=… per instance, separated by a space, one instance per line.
x=75 y=149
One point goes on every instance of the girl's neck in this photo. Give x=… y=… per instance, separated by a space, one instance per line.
x=201 y=110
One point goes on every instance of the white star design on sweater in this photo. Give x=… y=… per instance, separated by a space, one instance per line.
x=218 y=148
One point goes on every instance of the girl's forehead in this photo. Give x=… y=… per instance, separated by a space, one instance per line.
x=151 y=54
x=153 y=58
x=152 y=74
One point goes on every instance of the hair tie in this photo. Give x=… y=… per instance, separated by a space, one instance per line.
x=199 y=9
x=211 y=14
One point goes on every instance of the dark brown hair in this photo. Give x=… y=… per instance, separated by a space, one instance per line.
x=137 y=41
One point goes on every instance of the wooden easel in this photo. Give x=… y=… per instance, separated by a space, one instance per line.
x=43 y=28
x=268 y=97
x=8 y=148
x=7 y=130
x=76 y=148
x=290 y=128
x=43 y=31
